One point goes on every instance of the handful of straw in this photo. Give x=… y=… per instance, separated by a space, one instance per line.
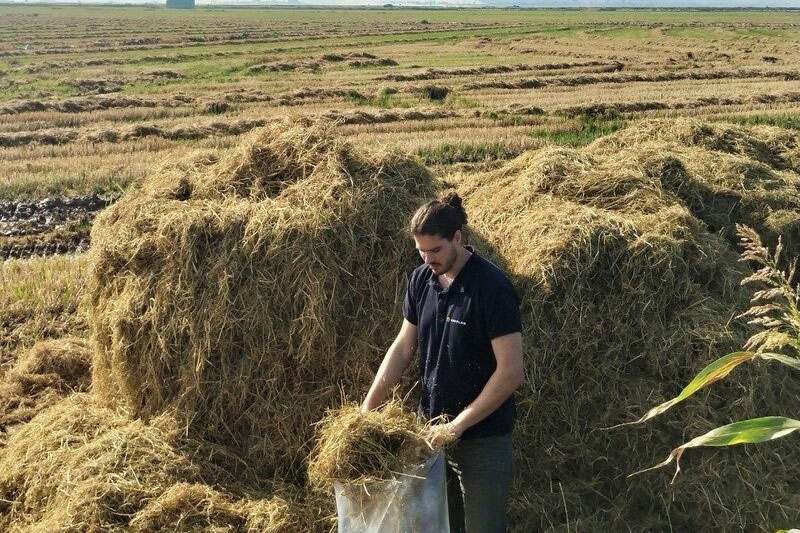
x=355 y=447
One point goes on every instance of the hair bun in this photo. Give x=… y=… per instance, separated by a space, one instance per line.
x=454 y=200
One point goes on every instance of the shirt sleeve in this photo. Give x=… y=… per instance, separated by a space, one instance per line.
x=500 y=310
x=410 y=304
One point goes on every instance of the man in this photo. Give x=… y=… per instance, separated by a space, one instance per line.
x=463 y=313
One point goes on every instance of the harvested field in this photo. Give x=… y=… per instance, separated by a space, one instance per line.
x=265 y=163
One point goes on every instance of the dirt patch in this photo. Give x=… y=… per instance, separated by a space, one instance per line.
x=49 y=226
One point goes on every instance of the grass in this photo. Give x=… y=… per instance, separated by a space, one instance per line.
x=790 y=121
x=760 y=32
x=467 y=152
x=689 y=32
x=578 y=132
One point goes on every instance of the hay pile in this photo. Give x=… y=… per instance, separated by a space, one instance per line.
x=235 y=299
x=243 y=293
x=358 y=448
x=629 y=282
x=78 y=466
x=42 y=376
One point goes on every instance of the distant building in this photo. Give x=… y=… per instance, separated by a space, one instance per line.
x=181 y=4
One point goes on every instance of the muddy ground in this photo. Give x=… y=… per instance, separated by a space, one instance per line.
x=48 y=226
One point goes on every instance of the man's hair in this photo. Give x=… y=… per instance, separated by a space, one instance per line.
x=442 y=217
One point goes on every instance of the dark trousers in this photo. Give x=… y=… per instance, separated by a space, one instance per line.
x=478 y=476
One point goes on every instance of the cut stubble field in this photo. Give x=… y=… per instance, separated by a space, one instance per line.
x=94 y=99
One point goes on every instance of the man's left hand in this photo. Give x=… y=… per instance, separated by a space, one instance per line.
x=442 y=435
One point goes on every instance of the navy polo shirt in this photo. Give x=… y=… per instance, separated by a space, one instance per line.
x=455 y=327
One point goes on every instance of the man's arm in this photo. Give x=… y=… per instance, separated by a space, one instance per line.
x=397 y=359
x=507 y=377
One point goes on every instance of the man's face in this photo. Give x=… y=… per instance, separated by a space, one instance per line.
x=439 y=254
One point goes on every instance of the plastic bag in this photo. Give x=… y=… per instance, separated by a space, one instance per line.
x=412 y=502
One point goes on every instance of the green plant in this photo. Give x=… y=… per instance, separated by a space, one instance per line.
x=775 y=309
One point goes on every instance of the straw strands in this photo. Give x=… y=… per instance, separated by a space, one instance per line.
x=234 y=299
x=623 y=255
x=82 y=467
x=244 y=292
x=42 y=376
x=358 y=448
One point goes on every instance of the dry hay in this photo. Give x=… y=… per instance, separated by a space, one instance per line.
x=194 y=507
x=95 y=86
x=243 y=292
x=357 y=448
x=377 y=62
x=629 y=286
x=724 y=174
x=304 y=94
x=129 y=133
x=335 y=58
x=81 y=467
x=436 y=73
x=589 y=79
x=43 y=375
x=284 y=66
x=91 y=103
x=383 y=117
x=613 y=109
x=240 y=294
x=433 y=92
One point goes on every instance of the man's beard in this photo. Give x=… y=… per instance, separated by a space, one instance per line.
x=444 y=268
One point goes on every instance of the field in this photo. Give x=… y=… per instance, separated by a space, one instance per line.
x=94 y=99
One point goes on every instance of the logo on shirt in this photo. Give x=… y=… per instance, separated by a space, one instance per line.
x=456 y=321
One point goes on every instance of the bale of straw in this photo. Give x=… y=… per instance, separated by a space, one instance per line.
x=629 y=285
x=242 y=292
x=45 y=373
x=358 y=448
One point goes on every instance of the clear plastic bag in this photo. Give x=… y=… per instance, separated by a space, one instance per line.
x=411 y=502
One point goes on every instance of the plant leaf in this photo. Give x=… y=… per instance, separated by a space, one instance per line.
x=743 y=432
x=785 y=359
x=713 y=372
